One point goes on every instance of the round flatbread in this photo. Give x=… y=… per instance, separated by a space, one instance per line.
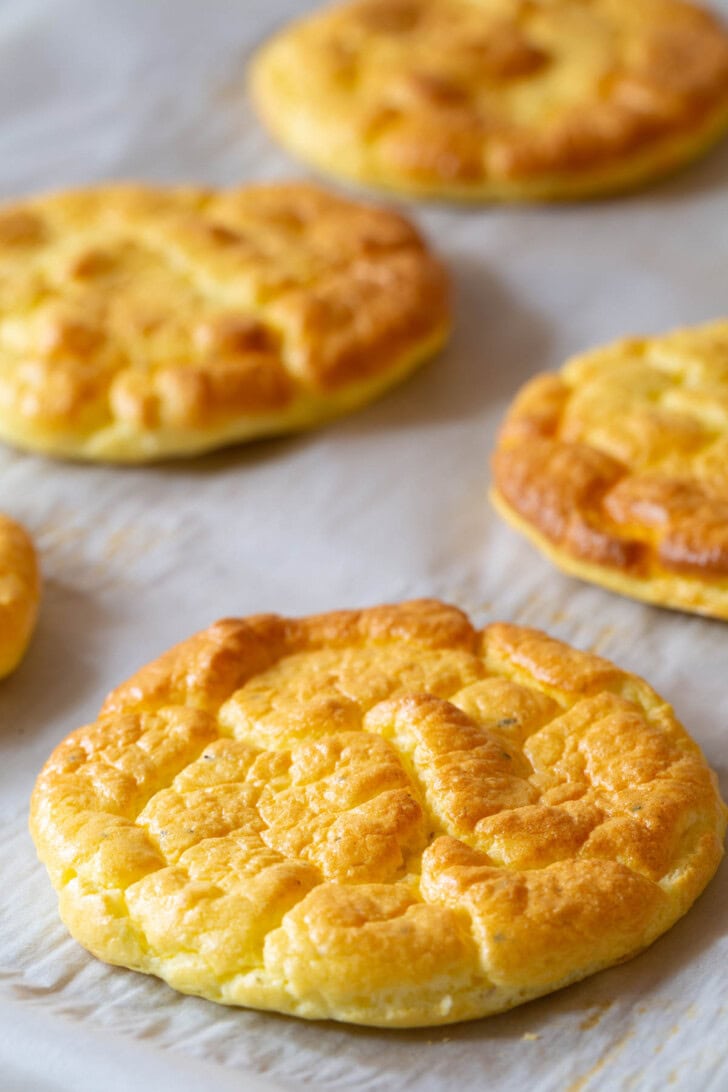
x=617 y=468
x=140 y=323
x=19 y=592
x=384 y=817
x=498 y=99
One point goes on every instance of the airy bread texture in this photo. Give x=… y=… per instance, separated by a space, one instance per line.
x=617 y=467
x=498 y=99
x=19 y=592
x=383 y=816
x=140 y=323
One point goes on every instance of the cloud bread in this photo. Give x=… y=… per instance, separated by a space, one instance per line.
x=497 y=99
x=384 y=817
x=19 y=592
x=617 y=467
x=140 y=323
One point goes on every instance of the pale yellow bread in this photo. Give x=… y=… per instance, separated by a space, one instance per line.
x=19 y=592
x=617 y=467
x=497 y=99
x=139 y=323
x=385 y=816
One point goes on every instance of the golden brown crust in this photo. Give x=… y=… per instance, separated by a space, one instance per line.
x=382 y=816
x=619 y=466
x=138 y=323
x=501 y=99
x=19 y=592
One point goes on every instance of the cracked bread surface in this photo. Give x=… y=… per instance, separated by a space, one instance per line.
x=20 y=583
x=384 y=817
x=616 y=467
x=140 y=323
x=497 y=99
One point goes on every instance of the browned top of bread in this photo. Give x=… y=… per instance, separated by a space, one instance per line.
x=19 y=592
x=381 y=816
x=498 y=98
x=140 y=322
x=621 y=459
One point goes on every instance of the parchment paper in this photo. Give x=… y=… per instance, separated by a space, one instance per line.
x=387 y=504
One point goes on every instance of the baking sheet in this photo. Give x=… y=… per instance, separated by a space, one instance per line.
x=387 y=504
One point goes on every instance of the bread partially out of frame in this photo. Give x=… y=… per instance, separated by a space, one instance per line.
x=139 y=323
x=384 y=816
x=617 y=467
x=19 y=592
x=497 y=99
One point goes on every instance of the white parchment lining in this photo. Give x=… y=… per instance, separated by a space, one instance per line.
x=385 y=505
